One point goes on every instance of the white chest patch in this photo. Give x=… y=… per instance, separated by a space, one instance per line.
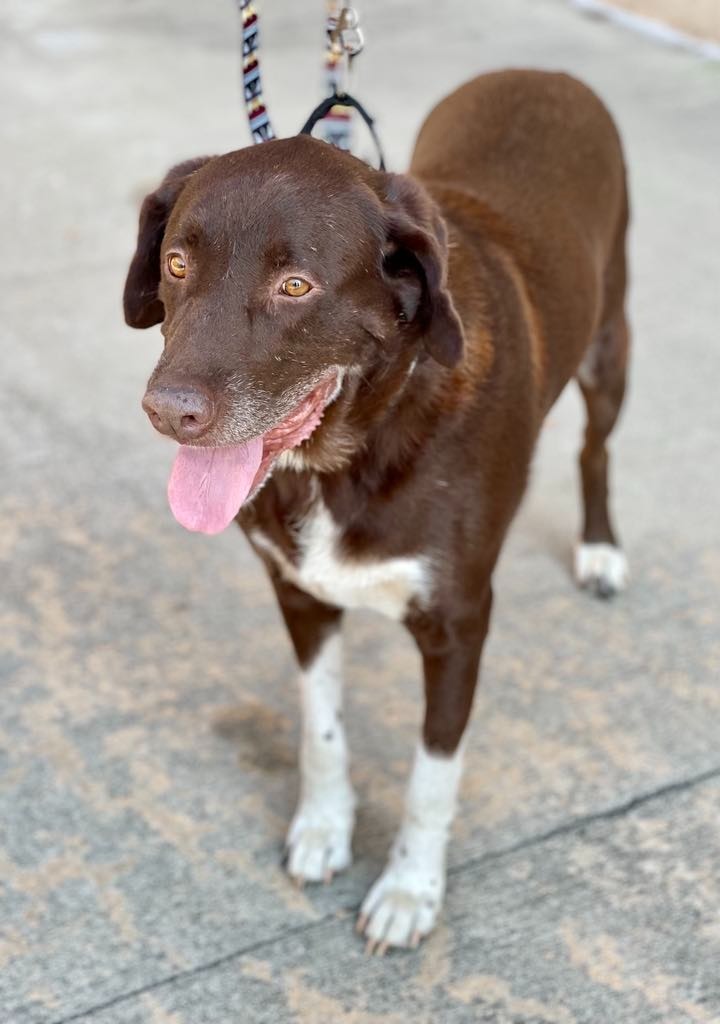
x=384 y=586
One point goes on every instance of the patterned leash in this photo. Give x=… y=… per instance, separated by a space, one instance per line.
x=344 y=42
x=258 y=118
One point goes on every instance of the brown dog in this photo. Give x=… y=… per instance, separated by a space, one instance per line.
x=362 y=361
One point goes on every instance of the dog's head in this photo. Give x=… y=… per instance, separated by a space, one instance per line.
x=283 y=275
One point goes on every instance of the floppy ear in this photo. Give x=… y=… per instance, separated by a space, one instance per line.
x=416 y=269
x=141 y=304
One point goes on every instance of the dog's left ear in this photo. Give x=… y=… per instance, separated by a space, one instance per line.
x=415 y=266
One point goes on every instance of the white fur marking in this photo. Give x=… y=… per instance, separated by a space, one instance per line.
x=387 y=586
x=601 y=566
x=403 y=904
x=293 y=458
x=587 y=370
x=319 y=837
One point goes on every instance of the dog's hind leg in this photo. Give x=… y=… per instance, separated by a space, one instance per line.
x=600 y=564
x=320 y=835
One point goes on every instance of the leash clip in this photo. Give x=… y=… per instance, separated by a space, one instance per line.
x=345 y=34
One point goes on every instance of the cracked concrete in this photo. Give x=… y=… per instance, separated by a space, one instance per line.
x=149 y=723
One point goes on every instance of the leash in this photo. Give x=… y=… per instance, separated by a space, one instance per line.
x=344 y=42
x=344 y=99
x=258 y=117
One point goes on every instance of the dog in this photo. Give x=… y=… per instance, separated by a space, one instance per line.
x=356 y=367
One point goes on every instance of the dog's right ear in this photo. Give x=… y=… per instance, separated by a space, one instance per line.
x=141 y=304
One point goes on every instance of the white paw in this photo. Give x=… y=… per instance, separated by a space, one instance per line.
x=401 y=908
x=601 y=568
x=318 y=843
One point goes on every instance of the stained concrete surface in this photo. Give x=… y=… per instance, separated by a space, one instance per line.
x=148 y=719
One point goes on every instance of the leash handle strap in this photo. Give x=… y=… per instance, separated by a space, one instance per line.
x=344 y=100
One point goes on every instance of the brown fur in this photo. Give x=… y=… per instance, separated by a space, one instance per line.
x=498 y=262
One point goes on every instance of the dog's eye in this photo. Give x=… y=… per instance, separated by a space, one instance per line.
x=295 y=286
x=176 y=265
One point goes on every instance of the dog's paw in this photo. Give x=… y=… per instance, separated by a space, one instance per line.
x=401 y=908
x=318 y=844
x=601 y=568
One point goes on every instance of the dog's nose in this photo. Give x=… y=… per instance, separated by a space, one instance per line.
x=182 y=413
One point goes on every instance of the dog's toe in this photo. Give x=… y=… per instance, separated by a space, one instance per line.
x=317 y=850
x=396 y=917
x=601 y=568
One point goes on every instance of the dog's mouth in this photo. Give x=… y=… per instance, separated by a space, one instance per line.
x=209 y=486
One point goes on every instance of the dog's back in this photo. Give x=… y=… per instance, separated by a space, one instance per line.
x=538 y=157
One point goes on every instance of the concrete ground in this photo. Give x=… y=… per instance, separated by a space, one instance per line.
x=148 y=719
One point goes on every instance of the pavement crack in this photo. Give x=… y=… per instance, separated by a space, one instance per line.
x=571 y=827
x=169 y=979
x=584 y=820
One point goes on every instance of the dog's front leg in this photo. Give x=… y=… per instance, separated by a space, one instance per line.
x=319 y=838
x=404 y=903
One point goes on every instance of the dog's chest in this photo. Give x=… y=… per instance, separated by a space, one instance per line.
x=318 y=566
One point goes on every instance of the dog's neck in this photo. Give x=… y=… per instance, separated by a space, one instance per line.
x=376 y=428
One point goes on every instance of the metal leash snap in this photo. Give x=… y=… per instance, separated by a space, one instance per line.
x=345 y=32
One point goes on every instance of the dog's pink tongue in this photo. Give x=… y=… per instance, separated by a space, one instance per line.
x=208 y=485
